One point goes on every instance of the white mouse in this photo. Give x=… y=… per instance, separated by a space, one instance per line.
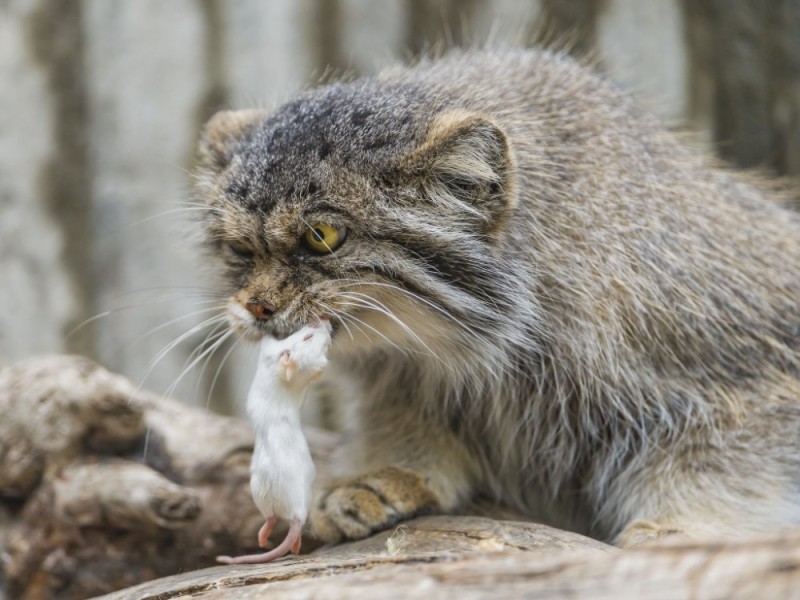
x=282 y=472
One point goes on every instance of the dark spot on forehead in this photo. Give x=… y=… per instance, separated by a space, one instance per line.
x=360 y=117
x=237 y=188
x=324 y=150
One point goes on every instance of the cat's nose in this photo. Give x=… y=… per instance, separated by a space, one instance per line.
x=260 y=310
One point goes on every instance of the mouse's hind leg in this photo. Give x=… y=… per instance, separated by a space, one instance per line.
x=265 y=531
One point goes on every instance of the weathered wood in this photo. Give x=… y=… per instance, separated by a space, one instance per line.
x=103 y=485
x=462 y=557
x=386 y=558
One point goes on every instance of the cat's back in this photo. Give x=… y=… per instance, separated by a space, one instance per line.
x=587 y=151
x=516 y=86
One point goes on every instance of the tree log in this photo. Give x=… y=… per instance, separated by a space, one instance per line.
x=468 y=557
x=104 y=486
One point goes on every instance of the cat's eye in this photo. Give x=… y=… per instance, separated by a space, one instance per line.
x=240 y=250
x=323 y=237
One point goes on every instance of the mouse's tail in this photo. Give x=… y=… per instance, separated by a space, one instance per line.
x=290 y=543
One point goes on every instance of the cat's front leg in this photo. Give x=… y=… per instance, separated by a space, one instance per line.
x=409 y=468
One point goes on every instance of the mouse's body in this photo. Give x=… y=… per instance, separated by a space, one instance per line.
x=282 y=471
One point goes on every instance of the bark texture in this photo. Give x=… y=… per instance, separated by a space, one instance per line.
x=465 y=558
x=103 y=485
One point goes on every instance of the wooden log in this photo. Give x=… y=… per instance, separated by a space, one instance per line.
x=104 y=486
x=468 y=557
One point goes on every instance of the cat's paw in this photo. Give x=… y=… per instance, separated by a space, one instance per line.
x=357 y=507
x=643 y=532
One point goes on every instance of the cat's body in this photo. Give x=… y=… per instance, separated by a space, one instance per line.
x=537 y=294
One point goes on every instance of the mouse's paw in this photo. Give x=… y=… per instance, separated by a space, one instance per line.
x=303 y=355
x=357 y=507
x=294 y=371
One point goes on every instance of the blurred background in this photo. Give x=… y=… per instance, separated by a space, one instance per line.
x=102 y=101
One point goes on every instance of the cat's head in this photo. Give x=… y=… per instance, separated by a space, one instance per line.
x=360 y=203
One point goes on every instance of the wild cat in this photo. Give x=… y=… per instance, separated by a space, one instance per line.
x=537 y=295
x=282 y=471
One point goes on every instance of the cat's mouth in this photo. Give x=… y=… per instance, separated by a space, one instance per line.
x=247 y=326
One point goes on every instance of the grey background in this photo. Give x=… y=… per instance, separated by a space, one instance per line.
x=101 y=103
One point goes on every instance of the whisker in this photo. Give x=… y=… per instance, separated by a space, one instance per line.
x=338 y=314
x=214 y=334
x=344 y=317
x=114 y=311
x=219 y=370
x=172 y=321
x=184 y=336
x=408 y=293
x=391 y=343
x=161 y=215
x=210 y=338
x=470 y=331
x=219 y=341
x=373 y=304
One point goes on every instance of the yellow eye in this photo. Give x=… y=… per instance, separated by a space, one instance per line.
x=322 y=237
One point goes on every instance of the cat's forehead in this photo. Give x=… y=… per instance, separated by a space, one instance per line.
x=295 y=191
x=353 y=124
x=308 y=145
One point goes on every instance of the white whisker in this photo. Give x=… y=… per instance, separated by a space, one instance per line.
x=380 y=308
x=184 y=336
x=389 y=341
x=338 y=314
x=210 y=338
x=219 y=341
x=108 y=313
x=414 y=296
x=175 y=320
x=219 y=370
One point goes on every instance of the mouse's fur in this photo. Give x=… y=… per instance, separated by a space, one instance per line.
x=543 y=297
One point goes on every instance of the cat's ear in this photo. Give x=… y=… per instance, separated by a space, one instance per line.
x=222 y=134
x=465 y=161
